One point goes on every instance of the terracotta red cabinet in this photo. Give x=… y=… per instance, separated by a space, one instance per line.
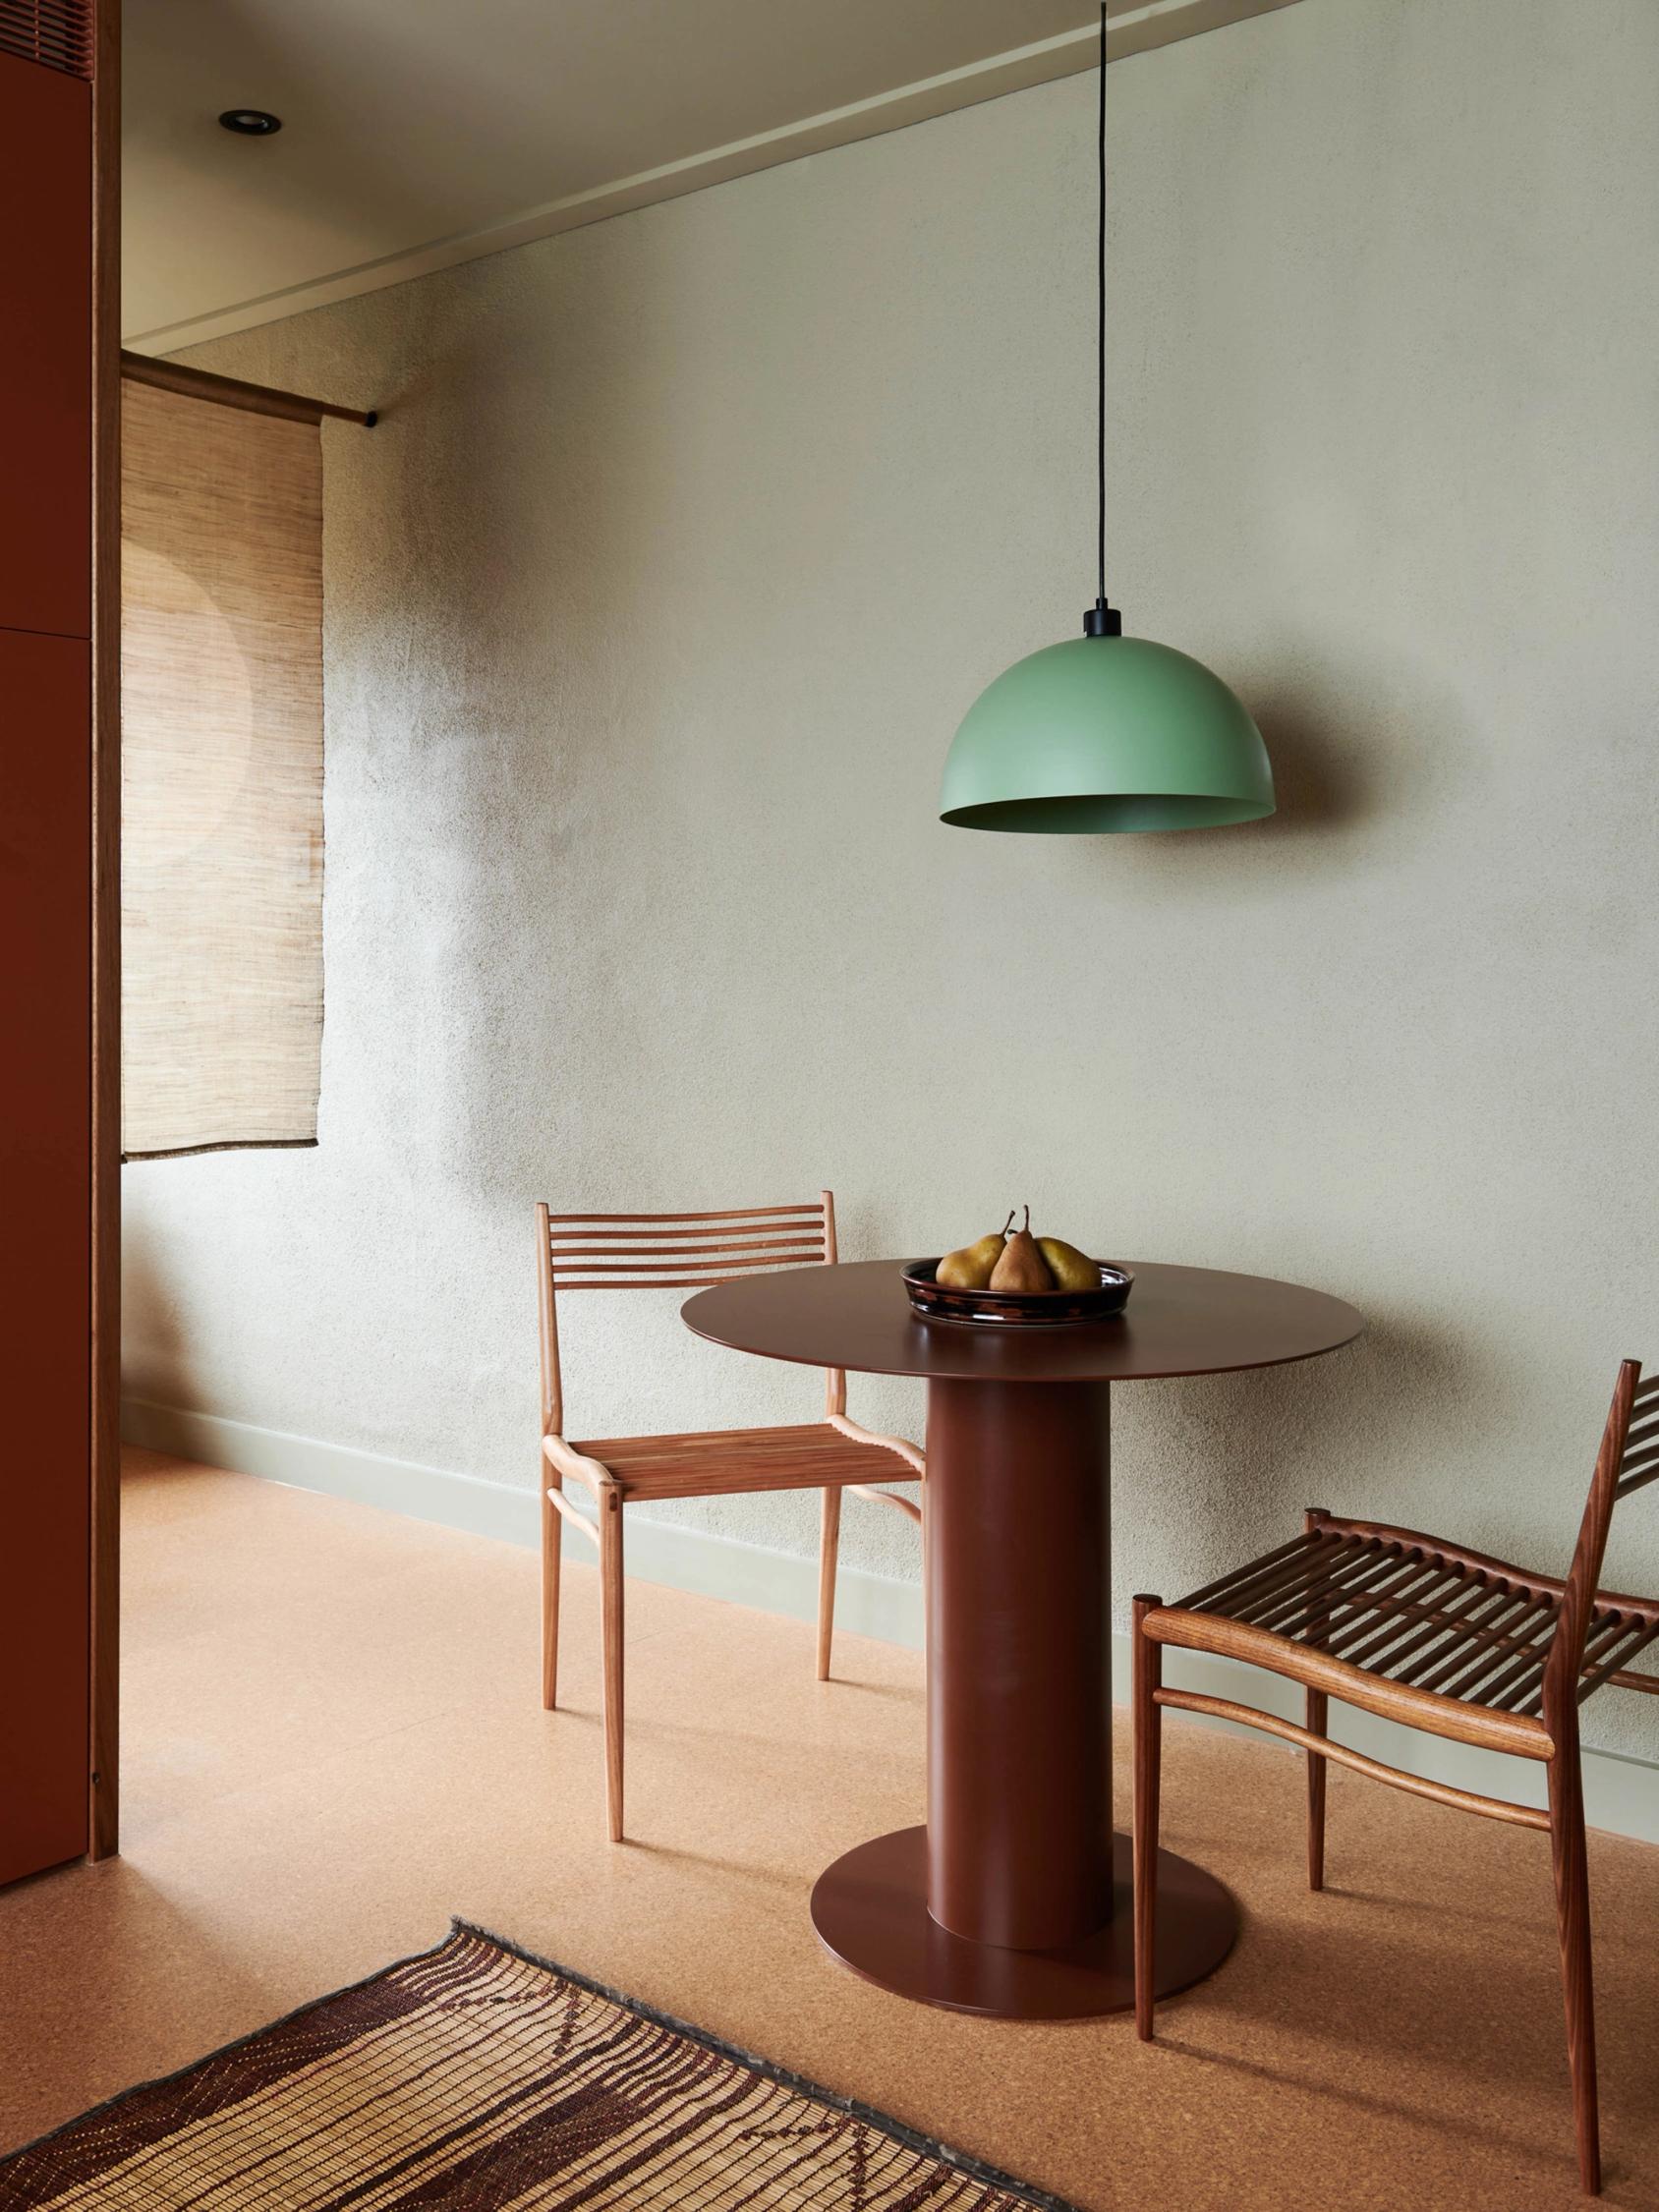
x=45 y=359
x=55 y=511
x=45 y=916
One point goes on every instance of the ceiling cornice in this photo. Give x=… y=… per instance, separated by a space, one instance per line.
x=1134 y=31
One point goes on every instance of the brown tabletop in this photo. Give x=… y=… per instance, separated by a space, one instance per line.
x=1014 y=1898
x=1179 y=1321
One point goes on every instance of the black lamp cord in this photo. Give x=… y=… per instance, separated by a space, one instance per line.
x=1100 y=272
x=1100 y=620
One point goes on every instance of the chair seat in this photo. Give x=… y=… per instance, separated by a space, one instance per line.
x=1391 y=1620
x=721 y=1462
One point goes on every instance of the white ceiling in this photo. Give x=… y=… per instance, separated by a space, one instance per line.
x=419 y=133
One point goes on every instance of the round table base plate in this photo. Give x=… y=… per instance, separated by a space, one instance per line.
x=870 y=1909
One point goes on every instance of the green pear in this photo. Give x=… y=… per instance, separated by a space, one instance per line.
x=970 y=1265
x=1071 y=1270
x=1022 y=1266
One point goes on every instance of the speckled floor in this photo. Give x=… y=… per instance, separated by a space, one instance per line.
x=334 y=1743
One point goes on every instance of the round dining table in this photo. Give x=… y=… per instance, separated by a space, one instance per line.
x=1014 y=1899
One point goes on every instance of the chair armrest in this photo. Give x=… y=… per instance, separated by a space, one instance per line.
x=569 y=1461
x=894 y=1444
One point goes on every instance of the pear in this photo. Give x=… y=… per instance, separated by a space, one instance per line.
x=969 y=1266
x=1022 y=1266
x=1071 y=1270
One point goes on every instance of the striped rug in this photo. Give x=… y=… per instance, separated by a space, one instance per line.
x=474 y=2079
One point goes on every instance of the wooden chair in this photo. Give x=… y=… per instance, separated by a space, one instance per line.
x=683 y=1252
x=1442 y=1638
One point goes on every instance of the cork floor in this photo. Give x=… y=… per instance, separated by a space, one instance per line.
x=333 y=1742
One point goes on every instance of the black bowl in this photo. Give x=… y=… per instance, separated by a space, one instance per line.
x=1016 y=1309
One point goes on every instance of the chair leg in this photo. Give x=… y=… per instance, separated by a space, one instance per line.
x=1147 y=1671
x=1317 y=1721
x=1572 y=1920
x=552 y=1557
x=1318 y=1707
x=829 y=1547
x=610 y=1612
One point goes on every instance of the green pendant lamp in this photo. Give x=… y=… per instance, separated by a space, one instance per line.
x=1104 y=732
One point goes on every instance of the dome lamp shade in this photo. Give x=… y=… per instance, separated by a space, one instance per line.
x=1103 y=733
x=1106 y=734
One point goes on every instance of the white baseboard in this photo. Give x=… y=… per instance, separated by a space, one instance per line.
x=1621 y=1793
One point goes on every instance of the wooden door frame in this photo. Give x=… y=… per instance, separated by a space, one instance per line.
x=104 y=1006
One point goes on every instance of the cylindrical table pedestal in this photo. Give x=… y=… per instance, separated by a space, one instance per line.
x=1019 y=1564
x=1014 y=1900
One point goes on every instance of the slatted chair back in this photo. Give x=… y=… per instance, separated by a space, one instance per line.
x=672 y=1251
x=1628 y=1460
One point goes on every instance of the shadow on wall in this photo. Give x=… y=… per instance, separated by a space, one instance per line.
x=1354 y=747
x=1325 y=776
x=155 y=1362
x=513 y=753
x=1320 y=780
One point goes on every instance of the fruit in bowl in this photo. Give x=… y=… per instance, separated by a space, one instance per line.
x=1020 y=1262
x=971 y=1266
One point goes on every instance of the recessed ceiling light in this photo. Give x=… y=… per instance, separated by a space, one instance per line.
x=251 y=122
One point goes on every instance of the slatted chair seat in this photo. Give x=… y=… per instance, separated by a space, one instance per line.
x=1440 y=1638
x=724 y=1462
x=1441 y=1628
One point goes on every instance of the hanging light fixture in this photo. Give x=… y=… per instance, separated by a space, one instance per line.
x=1105 y=732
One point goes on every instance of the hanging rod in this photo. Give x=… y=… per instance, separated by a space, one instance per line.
x=231 y=391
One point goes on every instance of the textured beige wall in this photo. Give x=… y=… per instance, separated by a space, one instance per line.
x=653 y=605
